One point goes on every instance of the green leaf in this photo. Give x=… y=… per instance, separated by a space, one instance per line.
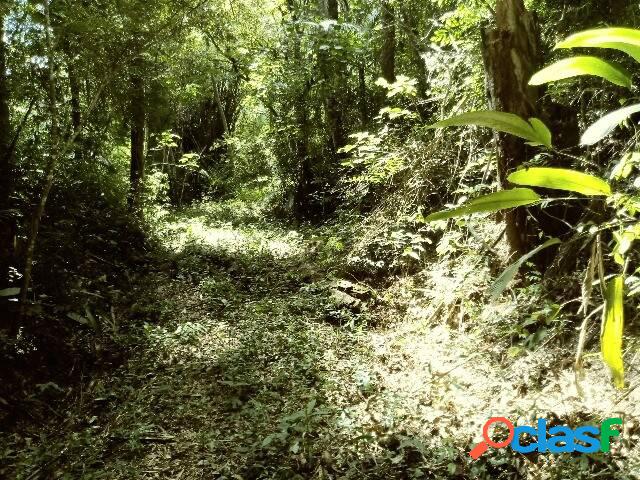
x=607 y=124
x=612 y=326
x=505 y=278
x=268 y=440
x=9 y=292
x=311 y=405
x=535 y=132
x=78 y=318
x=625 y=165
x=576 y=66
x=626 y=40
x=542 y=130
x=493 y=202
x=561 y=179
x=623 y=243
x=631 y=50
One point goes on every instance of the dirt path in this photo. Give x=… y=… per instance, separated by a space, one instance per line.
x=237 y=375
x=242 y=371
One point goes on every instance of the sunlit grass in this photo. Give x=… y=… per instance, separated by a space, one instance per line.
x=176 y=232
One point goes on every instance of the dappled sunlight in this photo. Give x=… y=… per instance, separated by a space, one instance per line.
x=191 y=341
x=436 y=373
x=177 y=235
x=248 y=366
x=297 y=240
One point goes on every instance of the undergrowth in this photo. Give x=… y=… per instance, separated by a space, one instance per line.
x=263 y=351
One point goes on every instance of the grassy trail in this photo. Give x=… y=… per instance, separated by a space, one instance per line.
x=243 y=368
x=235 y=375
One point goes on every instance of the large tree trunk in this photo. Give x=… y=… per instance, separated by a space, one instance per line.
x=333 y=106
x=412 y=31
x=7 y=219
x=303 y=187
x=511 y=56
x=300 y=196
x=138 y=121
x=388 y=52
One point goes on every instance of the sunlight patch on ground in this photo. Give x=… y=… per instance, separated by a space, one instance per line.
x=243 y=372
x=198 y=231
x=444 y=383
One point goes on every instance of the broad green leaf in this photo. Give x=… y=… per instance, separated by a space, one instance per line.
x=626 y=40
x=607 y=124
x=612 y=326
x=537 y=134
x=561 y=179
x=9 y=292
x=505 y=278
x=576 y=66
x=493 y=202
x=632 y=50
x=542 y=130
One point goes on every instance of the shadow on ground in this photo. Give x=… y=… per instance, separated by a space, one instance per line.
x=235 y=372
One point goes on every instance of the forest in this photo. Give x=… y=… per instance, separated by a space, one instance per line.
x=319 y=239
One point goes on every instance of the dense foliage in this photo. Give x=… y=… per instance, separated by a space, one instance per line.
x=293 y=197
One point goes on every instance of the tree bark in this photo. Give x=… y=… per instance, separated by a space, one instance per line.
x=303 y=186
x=412 y=31
x=54 y=158
x=333 y=9
x=388 y=52
x=7 y=218
x=511 y=56
x=220 y=106
x=333 y=104
x=138 y=121
x=336 y=123
x=616 y=9
x=299 y=197
x=76 y=115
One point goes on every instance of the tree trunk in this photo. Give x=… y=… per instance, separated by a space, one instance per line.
x=54 y=158
x=332 y=9
x=299 y=197
x=616 y=9
x=333 y=104
x=388 y=52
x=511 y=56
x=336 y=124
x=76 y=115
x=220 y=107
x=412 y=31
x=138 y=120
x=303 y=187
x=7 y=219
